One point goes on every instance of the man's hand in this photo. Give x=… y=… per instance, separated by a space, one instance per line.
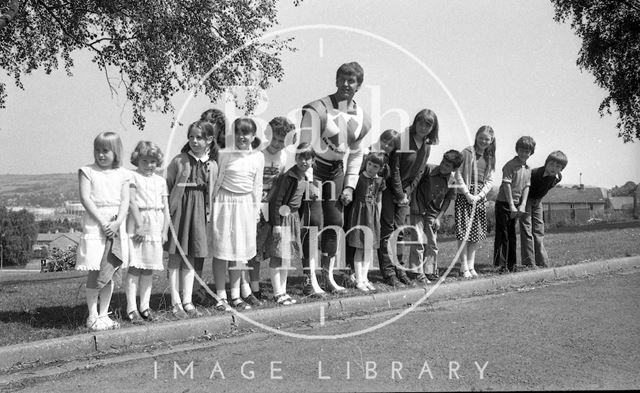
x=436 y=224
x=404 y=201
x=347 y=196
x=314 y=192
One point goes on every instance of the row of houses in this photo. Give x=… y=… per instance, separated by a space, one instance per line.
x=60 y=240
x=580 y=205
x=583 y=204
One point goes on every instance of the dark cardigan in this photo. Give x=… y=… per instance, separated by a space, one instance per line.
x=285 y=188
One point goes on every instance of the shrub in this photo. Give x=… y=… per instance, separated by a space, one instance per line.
x=60 y=260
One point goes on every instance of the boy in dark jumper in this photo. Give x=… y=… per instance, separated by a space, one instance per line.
x=543 y=179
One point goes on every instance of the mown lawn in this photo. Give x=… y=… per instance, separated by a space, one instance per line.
x=35 y=306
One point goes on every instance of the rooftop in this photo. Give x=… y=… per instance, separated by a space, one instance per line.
x=576 y=195
x=49 y=237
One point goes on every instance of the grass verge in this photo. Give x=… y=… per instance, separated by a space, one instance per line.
x=36 y=306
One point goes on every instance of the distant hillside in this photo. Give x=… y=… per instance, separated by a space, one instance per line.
x=50 y=190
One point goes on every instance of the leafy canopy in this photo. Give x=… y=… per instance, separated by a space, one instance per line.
x=18 y=233
x=610 y=33
x=152 y=48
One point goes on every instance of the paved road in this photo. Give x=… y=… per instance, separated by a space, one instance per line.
x=572 y=335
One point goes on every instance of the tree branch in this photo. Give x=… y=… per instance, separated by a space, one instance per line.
x=12 y=10
x=111 y=39
x=633 y=4
x=64 y=30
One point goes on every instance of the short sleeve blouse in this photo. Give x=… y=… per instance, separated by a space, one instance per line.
x=150 y=191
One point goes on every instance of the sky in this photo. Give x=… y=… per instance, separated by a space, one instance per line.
x=504 y=63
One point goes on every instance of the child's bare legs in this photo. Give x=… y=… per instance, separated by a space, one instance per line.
x=92 y=296
x=220 y=277
x=331 y=263
x=276 y=281
x=284 y=275
x=254 y=275
x=98 y=301
x=146 y=280
x=174 y=283
x=200 y=294
x=236 y=271
x=198 y=268
x=464 y=267
x=245 y=287
x=358 y=263
x=187 y=276
x=105 y=299
x=309 y=266
x=175 y=261
x=471 y=258
x=175 y=267
x=133 y=276
x=279 y=273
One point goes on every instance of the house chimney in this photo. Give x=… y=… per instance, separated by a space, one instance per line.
x=580 y=185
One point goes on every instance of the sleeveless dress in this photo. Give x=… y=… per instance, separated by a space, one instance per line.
x=150 y=191
x=106 y=189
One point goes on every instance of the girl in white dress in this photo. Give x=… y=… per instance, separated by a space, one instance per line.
x=148 y=225
x=104 y=193
x=236 y=210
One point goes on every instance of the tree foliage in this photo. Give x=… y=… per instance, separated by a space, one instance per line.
x=18 y=233
x=610 y=33
x=151 y=48
x=61 y=260
x=60 y=225
x=628 y=189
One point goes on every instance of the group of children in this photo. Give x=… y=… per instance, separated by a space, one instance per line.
x=239 y=207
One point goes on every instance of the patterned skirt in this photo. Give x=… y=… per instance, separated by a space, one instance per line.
x=476 y=225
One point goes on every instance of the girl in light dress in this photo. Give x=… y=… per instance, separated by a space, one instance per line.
x=236 y=208
x=474 y=180
x=104 y=193
x=148 y=224
x=190 y=178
